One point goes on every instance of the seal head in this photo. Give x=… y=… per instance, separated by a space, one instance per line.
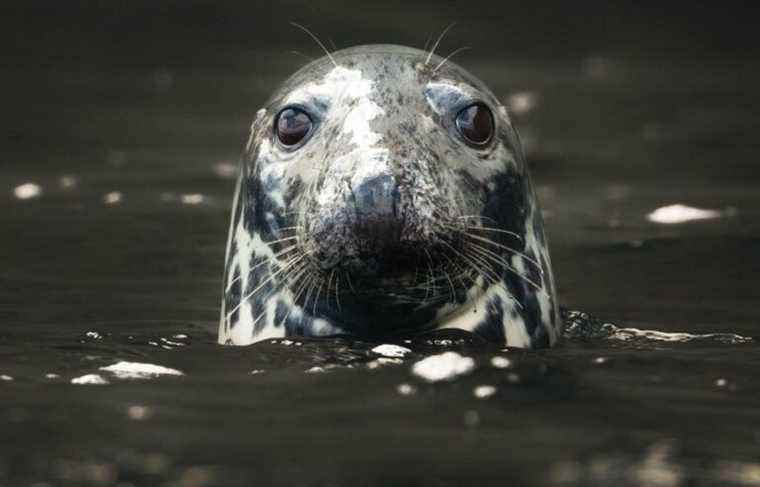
x=384 y=192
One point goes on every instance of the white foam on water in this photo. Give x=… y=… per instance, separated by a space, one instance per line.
x=626 y=334
x=484 y=391
x=384 y=361
x=113 y=198
x=678 y=213
x=192 y=199
x=6 y=378
x=225 y=169
x=500 y=362
x=90 y=379
x=446 y=366
x=522 y=102
x=27 y=191
x=137 y=370
x=139 y=413
x=389 y=350
x=68 y=182
x=406 y=389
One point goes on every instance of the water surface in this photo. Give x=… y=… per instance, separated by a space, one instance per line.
x=122 y=125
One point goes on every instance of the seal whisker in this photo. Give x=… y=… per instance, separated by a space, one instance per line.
x=350 y=284
x=302 y=270
x=269 y=279
x=279 y=253
x=316 y=298
x=487 y=264
x=294 y=227
x=453 y=53
x=337 y=291
x=478 y=270
x=460 y=271
x=265 y=310
x=430 y=275
x=497 y=258
x=478 y=217
x=264 y=261
x=508 y=249
x=316 y=39
x=294 y=237
x=299 y=291
x=498 y=230
x=427 y=42
x=313 y=278
x=451 y=287
x=437 y=42
x=329 y=283
x=298 y=53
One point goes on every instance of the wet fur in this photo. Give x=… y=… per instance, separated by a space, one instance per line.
x=384 y=112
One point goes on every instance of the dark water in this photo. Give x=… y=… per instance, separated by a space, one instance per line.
x=127 y=116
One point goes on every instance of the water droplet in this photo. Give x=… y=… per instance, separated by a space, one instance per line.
x=522 y=102
x=27 y=191
x=113 y=198
x=139 y=413
x=501 y=362
x=484 y=391
x=192 y=199
x=471 y=418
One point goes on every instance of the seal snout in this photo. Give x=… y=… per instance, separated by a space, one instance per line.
x=373 y=230
x=378 y=224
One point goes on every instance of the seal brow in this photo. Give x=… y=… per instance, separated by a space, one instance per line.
x=316 y=39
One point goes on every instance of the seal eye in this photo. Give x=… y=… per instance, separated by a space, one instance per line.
x=293 y=125
x=475 y=123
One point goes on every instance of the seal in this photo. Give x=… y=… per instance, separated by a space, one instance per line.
x=384 y=193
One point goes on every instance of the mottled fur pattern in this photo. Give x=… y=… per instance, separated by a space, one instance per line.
x=383 y=115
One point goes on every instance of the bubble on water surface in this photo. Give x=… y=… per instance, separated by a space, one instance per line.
x=471 y=418
x=522 y=102
x=90 y=379
x=139 y=413
x=68 y=182
x=137 y=370
x=113 y=198
x=192 y=199
x=27 y=191
x=225 y=169
x=389 y=350
x=484 y=391
x=384 y=361
x=443 y=367
x=500 y=362
x=678 y=213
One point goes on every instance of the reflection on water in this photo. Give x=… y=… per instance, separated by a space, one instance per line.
x=27 y=191
x=681 y=214
x=115 y=189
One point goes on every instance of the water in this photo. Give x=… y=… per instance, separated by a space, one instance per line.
x=120 y=124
